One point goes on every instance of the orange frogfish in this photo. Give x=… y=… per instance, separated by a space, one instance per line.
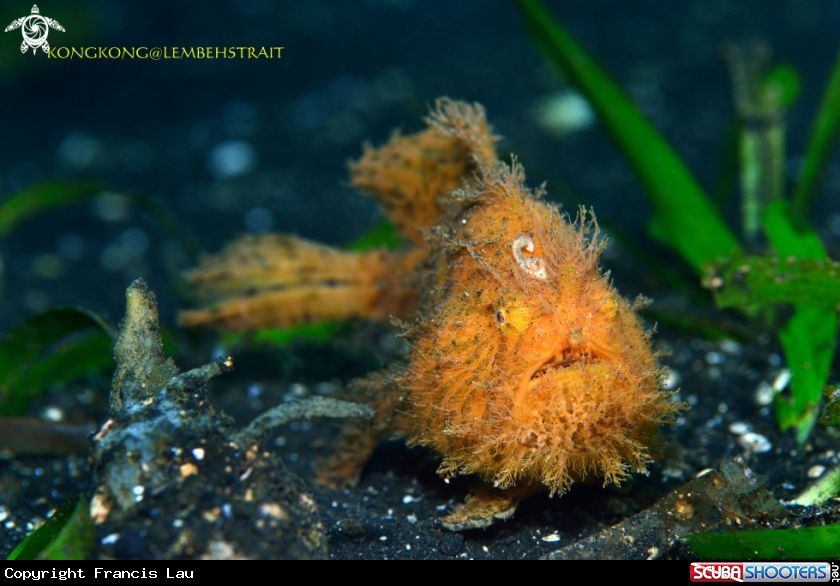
x=526 y=368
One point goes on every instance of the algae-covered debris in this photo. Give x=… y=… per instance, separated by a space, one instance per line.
x=740 y=281
x=830 y=414
x=172 y=476
x=732 y=498
x=141 y=367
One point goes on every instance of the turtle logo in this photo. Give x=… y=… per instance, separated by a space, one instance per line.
x=35 y=29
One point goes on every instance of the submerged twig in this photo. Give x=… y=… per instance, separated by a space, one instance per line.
x=27 y=436
x=733 y=497
x=306 y=409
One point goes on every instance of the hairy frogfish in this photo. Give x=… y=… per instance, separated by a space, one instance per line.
x=526 y=367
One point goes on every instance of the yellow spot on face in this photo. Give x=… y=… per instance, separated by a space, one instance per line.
x=611 y=306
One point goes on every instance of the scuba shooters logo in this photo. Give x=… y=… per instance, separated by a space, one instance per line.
x=748 y=571
x=35 y=29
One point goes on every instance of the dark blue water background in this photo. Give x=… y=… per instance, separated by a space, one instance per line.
x=349 y=72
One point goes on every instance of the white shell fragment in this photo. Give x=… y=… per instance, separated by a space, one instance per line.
x=755 y=443
x=766 y=391
x=564 y=113
x=764 y=394
x=782 y=379
x=740 y=428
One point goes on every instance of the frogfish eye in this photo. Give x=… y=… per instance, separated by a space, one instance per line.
x=500 y=316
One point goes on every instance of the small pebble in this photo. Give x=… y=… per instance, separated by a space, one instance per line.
x=730 y=347
x=231 y=159
x=754 y=442
x=740 y=428
x=782 y=379
x=764 y=393
x=53 y=413
x=564 y=113
x=78 y=150
x=672 y=381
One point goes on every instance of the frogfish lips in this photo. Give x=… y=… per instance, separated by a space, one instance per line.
x=563 y=359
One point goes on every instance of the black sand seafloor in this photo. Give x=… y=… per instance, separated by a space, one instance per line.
x=240 y=145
